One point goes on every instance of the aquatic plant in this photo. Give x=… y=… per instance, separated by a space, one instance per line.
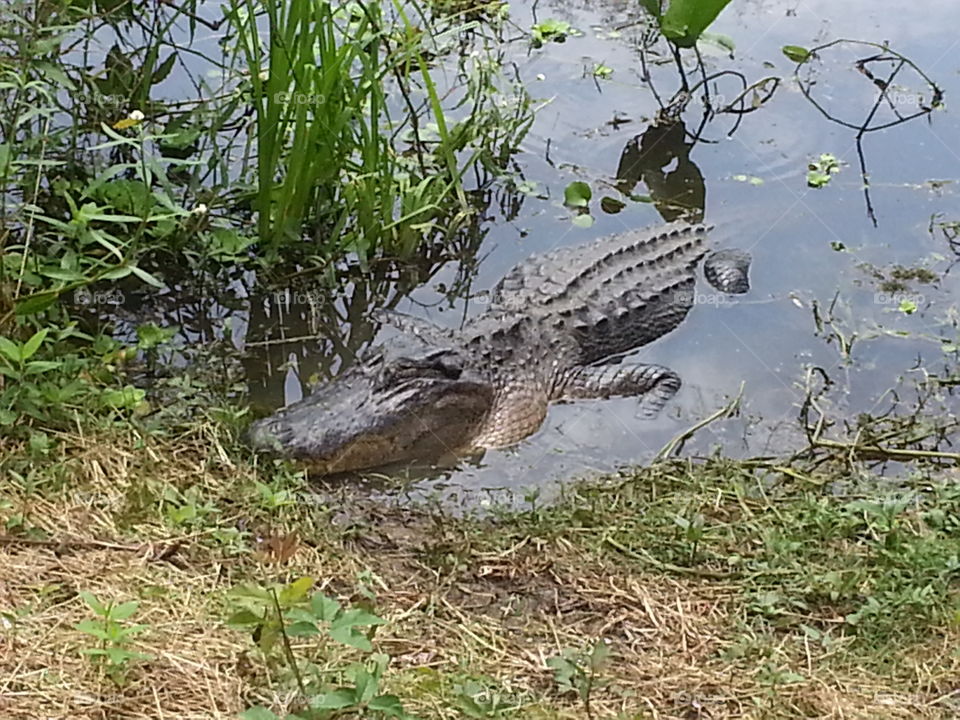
x=110 y=189
x=355 y=146
x=684 y=21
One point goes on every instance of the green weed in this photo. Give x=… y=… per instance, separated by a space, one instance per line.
x=276 y=615
x=577 y=671
x=888 y=566
x=114 y=636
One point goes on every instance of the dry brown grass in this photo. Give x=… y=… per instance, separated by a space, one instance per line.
x=457 y=603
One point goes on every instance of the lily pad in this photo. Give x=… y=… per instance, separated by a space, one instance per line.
x=577 y=194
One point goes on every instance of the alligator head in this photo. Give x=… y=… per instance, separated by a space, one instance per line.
x=395 y=406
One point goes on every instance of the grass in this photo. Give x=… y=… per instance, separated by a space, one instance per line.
x=718 y=588
x=333 y=136
x=355 y=144
x=335 y=142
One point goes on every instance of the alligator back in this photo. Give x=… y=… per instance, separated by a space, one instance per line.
x=612 y=295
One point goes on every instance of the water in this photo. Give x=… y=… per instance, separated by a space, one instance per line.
x=809 y=246
x=765 y=339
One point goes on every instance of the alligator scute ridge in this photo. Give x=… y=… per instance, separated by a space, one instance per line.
x=557 y=329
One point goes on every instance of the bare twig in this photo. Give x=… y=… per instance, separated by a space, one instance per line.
x=676 y=444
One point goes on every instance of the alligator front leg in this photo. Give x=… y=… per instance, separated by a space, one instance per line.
x=654 y=384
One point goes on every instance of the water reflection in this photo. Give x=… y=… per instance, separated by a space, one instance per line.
x=319 y=331
x=660 y=159
x=901 y=92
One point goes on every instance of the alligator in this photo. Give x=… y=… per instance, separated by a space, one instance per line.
x=557 y=328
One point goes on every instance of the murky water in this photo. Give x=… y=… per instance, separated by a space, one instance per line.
x=808 y=245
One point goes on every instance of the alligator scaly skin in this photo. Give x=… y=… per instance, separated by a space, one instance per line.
x=554 y=320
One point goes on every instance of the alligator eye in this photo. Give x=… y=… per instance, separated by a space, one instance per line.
x=441 y=365
x=450 y=364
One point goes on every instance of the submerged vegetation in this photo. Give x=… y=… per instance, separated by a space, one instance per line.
x=347 y=153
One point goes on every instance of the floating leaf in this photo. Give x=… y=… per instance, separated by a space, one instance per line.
x=820 y=171
x=577 y=194
x=583 y=221
x=611 y=205
x=796 y=53
x=551 y=30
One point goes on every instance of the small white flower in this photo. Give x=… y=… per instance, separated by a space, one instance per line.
x=264 y=75
x=541 y=76
x=136 y=116
x=200 y=209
